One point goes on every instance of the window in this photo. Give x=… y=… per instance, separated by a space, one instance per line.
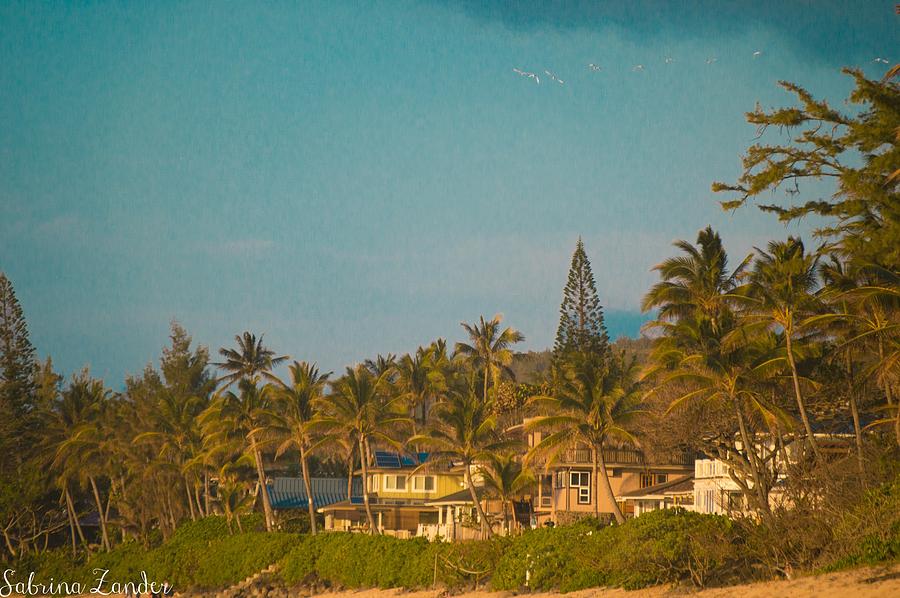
x=560 y=479
x=423 y=483
x=581 y=482
x=652 y=479
x=395 y=483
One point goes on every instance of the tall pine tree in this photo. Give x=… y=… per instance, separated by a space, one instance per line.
x=581 y=327
x=17 y=368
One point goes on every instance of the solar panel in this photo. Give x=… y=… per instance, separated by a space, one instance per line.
x=407 y=461
x=356 y=500
x=387 y=460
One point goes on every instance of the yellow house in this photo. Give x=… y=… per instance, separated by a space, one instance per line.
x=401 y=488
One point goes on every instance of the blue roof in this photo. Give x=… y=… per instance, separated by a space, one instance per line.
x=290 y=493
x=391 y=460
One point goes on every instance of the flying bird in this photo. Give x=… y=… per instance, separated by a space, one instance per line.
x=529 y=75
x=881 y=60
x=554 y=77
x=595 y=67
x=637 y=68
x=669 y=60
x=757 y=54
x=711 y=60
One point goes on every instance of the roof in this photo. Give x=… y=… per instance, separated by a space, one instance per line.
x=461 y=497
x=680 y=485
x=356 y=504
x=391 y=460
x=290 y=493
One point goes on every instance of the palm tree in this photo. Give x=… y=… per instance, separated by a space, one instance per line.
x=78 y=438
x=505 y=478
x=419 y=379
x=383 y=364
x=781 y=293
x=298 y=405
x=238 y=424
x=734 y=376
x=463 y=431
x=362 y=406
x=176 y=438
x=250 y=360
x=489 y=348
x=696 y=285
x=232 y=495
x=592 y=406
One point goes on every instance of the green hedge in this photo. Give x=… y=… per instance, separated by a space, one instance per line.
x=659 y=547
x=200 y=555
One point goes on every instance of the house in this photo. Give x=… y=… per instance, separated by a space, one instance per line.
x=566 y=490
x=716 y=492
x=405 y=497
x=676 y=492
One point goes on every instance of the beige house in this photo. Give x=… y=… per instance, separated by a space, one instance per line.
x=566 y=490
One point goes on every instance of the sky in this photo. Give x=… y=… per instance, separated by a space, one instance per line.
x=355 y=178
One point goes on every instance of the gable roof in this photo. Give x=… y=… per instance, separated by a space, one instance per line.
x=290 y=493
x=681 y=485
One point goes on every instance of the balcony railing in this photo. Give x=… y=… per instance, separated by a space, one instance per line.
x=627 y=457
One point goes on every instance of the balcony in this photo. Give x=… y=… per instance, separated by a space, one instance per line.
x=614 y=457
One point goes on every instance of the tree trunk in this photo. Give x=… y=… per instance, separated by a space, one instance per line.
x=103 y=532
x=308 y=484
x=487 y=373
x=206 y=505
x=350 y=474
x=261 y=478
x=486 y=530
x=800 y=404
x=607 y=487
x=71 y=520
x=190 y=499
x=373 y=529
x=761 y=494
x=71 y=504
x=200 y=509
x=854 y=411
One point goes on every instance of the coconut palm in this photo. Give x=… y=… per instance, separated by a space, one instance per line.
x=250 y=360
x=780 y=295
x=735 y=377
x=237 y=423
x=505 y=478
x=593 y=406
x=419 y=380
x=362 y=406
x=297 y=406
x=463 y=432
x=696 y=285
x=488 y=349
x=78 y=441
x=176 y=439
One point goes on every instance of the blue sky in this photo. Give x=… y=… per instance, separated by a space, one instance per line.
x=352 y=178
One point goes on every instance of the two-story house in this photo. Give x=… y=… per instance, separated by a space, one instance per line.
x=566 y=490
x=405 y=495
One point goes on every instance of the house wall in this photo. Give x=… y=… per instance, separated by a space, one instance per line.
x=621 y=480
x=445 y=484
